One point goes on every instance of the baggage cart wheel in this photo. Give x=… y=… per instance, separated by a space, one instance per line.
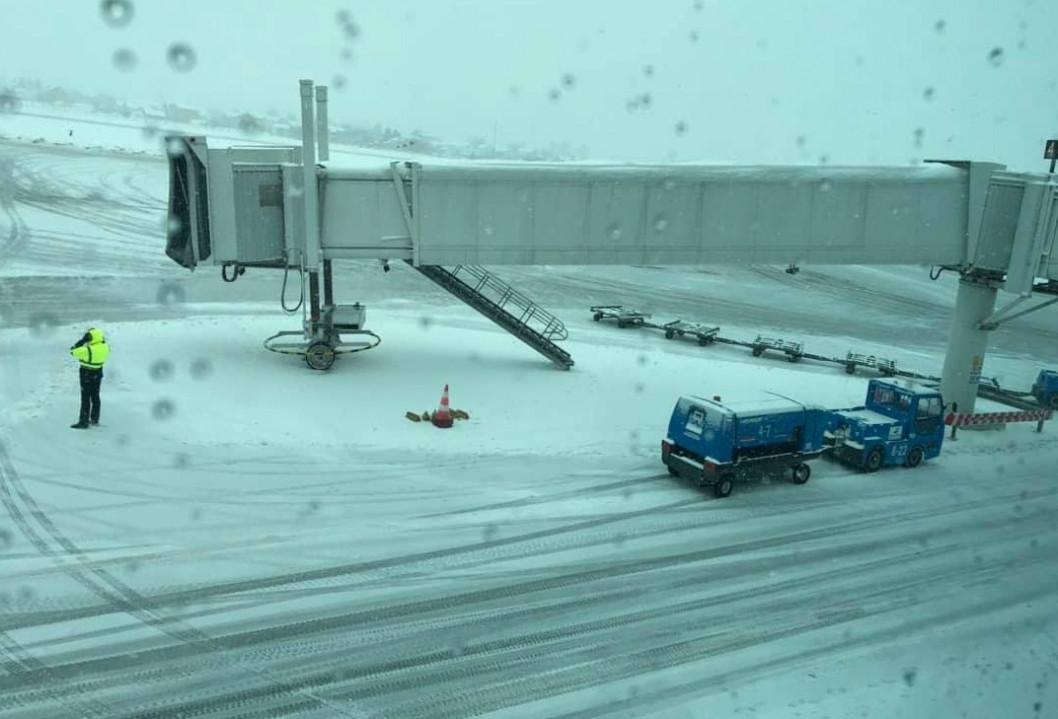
x=850 y=369
x=914 y=458
x=319 y=356
x=597 y=316
x=801 y=473
x=622 y=324
x=758 y=351
x=1052 y=403
x=703 y=341
x=873 y=461
x=793 y=358
x=723 y=486
x=669 y=334
x=672 y=472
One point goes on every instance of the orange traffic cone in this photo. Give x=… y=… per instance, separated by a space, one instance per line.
x=443 y=416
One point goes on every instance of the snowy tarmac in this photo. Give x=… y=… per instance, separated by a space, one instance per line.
x=245 y=537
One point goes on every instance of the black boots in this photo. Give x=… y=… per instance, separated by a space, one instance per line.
x=79 y=425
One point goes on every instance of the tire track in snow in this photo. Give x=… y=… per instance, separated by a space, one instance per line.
x=96 y=580
x=972 y=528
x=572 y=638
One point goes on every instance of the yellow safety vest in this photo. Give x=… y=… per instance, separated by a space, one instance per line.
x=95 y=353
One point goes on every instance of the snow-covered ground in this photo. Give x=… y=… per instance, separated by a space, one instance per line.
x=243 y=537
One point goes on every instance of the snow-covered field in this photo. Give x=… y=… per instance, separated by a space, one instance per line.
x=244 y=537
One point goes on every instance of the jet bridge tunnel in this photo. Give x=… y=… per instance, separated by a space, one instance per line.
x=282 y=207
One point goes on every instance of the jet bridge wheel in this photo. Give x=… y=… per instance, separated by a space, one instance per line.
x=723 y=486
x=1052 y=402
x=801 y=473
x=319 y=356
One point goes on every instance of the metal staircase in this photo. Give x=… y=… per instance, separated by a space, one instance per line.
x=505 y=306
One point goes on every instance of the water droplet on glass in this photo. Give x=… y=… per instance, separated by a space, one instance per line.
x=489 y=533
x=116 y=13
x=181 y=57
x=9 y=102
x=43 y=324
x=939 y=26
x=613 y=231
x=639 y=387
x=338 y=82
x=918 y=134
x=348 y=26
x=249 y=124
x=6 y=539
x=909 y=676
x=181 y=460
x=669 y=185
x=425 y=321
x=648 y=70
x=995 y=57
x=661 y=224
x=681 y=128
x=641 y=360
x=825 y=186
x=347 y=54
x=173 y=225
x=163 y=409
x=824 y=159
x=161 y=370
x=568 y=80
x=201 y=368
x=645 y=99
x=150 y=131
x=693 y=36
x=124 y=59
x=928 y=94
x=553 y=94
x=801 y=140
x=170 y=294
x=173 y=147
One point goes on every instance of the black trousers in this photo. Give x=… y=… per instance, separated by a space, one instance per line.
x=91 y=379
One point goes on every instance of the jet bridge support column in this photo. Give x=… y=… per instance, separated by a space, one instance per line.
x=967 y=343
x=311 y=199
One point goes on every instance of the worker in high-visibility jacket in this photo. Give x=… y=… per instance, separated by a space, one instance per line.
x=92 y=352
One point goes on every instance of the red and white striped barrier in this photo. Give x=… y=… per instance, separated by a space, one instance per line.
x=970 y=420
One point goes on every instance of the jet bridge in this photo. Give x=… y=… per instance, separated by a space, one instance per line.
x=282 y=207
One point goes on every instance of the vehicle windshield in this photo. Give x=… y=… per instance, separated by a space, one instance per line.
x=342 y=349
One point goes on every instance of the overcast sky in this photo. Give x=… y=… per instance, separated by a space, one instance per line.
x=752 y=81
